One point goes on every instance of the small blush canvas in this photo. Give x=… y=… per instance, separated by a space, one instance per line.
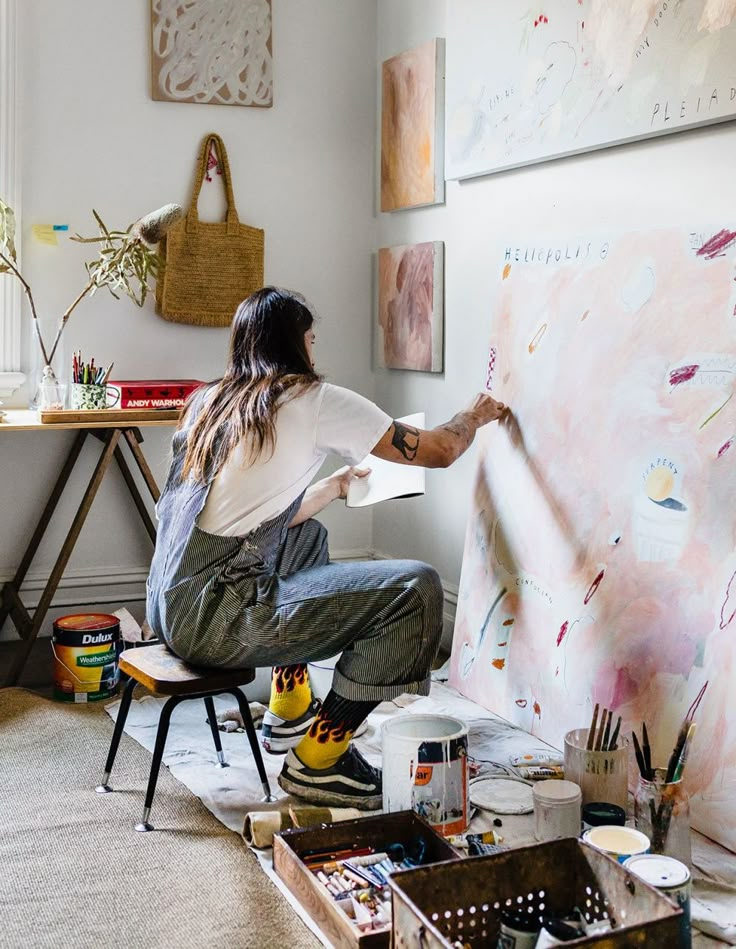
x=410 y=307
x=412 y=128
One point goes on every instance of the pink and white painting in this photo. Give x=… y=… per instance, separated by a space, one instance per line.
x=600 y=555
x=411 y=307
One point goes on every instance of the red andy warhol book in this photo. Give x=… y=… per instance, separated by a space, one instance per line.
x=154 y=393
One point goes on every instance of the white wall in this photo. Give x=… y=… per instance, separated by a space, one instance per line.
x=684 y=178
x=93 y=137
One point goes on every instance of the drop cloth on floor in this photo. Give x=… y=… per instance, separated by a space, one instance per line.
x=233 y=791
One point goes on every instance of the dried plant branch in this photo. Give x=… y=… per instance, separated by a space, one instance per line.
x=125 y=262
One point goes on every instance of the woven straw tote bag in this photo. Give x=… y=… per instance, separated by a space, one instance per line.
x=209 y=268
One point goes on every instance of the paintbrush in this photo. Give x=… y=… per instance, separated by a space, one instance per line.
x=680 y=767
x=607 y=731
x=599 y=740
x=591 y=730
x=682 y=735
x=646 y=751
x=613 y=745
x=639 y=757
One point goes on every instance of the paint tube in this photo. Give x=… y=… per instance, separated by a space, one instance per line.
x=537 y=760
x=542 y=773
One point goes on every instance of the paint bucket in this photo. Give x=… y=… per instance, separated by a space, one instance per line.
x=425 y=769
x=618 y=842
x=86 y=647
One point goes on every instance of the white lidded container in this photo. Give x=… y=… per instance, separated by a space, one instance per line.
x=557 y=807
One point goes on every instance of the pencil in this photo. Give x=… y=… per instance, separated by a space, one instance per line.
x=591 y=730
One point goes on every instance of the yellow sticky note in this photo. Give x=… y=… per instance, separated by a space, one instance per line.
x=45 y=234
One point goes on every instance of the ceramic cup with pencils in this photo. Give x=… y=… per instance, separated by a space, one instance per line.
x=94 y=396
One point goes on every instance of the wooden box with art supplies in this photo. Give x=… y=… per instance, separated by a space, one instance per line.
x=563 y=892
x=339 y=872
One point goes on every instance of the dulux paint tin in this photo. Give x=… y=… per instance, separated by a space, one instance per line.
x=425 y=769
x=86 y=648
x=670 y=877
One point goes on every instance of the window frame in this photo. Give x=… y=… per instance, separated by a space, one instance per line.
x=10 y=291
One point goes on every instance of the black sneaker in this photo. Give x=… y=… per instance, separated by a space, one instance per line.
x=279 y=734
x=350 y=782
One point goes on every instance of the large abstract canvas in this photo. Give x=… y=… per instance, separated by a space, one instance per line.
x=212 y=53
x=529 y=83
x=412 y=128
x=600 y=555
x=410 y=307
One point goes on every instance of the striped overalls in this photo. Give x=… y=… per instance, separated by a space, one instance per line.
x=272 y=597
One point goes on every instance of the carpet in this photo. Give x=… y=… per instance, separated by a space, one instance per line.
x=74 y=872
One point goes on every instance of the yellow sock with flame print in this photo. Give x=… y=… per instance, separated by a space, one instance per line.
x=328 y=738
x=291 y=693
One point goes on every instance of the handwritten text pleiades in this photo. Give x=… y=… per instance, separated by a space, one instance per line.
x=691 y=108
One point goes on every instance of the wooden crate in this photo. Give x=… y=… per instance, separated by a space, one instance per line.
x=290 y=845
x=435 y=907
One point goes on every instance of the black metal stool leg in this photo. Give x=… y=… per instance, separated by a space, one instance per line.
x=104 y=787
x=212 y=718
x=158 y=753
x=253 y=739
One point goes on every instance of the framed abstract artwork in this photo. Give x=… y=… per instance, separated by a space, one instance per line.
x=212 y=53
x=412 y=128
x=531 y=83
x=410 y=326
x=600 y=552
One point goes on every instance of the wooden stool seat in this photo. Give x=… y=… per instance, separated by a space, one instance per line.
x=160 y=671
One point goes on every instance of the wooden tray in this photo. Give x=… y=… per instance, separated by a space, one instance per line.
x=289 y=845
x=124 y=416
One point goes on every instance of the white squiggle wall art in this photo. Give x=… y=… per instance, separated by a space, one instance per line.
x=216 y=53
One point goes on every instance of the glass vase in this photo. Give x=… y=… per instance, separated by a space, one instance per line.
x=47 y=384
x=662 y=812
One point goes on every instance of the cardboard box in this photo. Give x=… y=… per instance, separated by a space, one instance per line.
x=291 y=845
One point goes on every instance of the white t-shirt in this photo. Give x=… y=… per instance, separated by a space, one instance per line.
x=324 y=420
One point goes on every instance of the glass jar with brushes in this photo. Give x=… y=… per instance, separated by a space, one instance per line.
x=662 y=812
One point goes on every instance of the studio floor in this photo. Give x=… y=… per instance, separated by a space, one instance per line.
x=75 y=872
x=78 y=872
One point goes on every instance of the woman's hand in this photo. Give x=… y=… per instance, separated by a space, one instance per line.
x=341 y=479
x=484 y=408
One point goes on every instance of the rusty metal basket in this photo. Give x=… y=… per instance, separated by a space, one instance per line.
x=460 y=903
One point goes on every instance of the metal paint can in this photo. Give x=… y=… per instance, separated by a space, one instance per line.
x=618 y=842
x=86 y=647
x=518 y=931
x=425 y=769
x=670 y=877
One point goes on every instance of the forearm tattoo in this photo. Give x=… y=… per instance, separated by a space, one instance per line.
x=405 y=440
x=460 y=427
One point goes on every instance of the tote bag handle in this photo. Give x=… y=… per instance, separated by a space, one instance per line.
x=232 y=214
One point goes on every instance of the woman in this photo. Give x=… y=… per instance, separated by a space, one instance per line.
x=241 y=573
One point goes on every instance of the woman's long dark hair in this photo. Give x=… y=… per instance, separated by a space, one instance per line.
x=268 y=361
